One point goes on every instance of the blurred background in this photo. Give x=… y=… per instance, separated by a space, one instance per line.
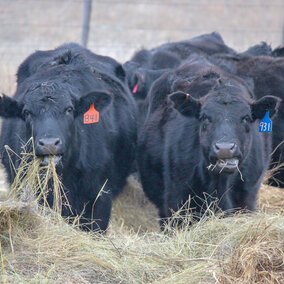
x=119 y=28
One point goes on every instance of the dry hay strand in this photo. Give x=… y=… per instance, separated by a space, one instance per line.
x=276 y=167
x=271 y=199
x=132 y=210
x=33 y=182
x=270 y=174
x=43 y=248
x=212 y=167
x=38 y=246
x=258 y=256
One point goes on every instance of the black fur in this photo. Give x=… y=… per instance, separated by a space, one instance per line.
x=55 y=88
x=260 y=49
x=207 y=44
x=168 y=56
x=278 y=51
x=267 y=75
x=175 y=144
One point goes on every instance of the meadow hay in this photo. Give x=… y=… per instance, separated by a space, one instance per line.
x=43 y=249
x=33 y=181
x=38 y=246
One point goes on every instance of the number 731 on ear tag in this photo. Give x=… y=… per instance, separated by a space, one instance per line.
x=92 y=115
x=265 y=124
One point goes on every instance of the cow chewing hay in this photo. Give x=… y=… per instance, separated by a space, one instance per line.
x=34 y=181
x=37 y=244
x=212 y=167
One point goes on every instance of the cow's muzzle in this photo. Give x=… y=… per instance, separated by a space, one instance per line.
x=47 y=148
x=225 y=156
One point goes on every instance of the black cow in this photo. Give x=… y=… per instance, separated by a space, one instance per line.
x=202 y=140
x=259 y=49
x=55 y=88
x=264 y=49
x=208 y=44
x=146 y=66
x=166 y=57
x=142 y=80
x=278 y=51
x=267 y=77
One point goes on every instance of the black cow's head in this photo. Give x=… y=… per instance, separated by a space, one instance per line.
x=140 y=79
x=227 y=121
x=49 y=114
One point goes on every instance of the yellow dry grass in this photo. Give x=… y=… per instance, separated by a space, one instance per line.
x=38 y=246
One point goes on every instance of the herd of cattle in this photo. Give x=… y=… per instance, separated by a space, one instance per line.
x=186 y=115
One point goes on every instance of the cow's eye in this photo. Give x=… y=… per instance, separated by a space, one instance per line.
x=246 y=119
x=205 y=118
x=69 y=110
x=26 y=113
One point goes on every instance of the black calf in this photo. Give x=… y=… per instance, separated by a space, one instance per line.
x=203 y=140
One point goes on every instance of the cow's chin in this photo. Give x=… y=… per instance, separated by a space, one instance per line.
x=47 y=159
x=227 y=165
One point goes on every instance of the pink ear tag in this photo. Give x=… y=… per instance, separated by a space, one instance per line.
x=135 y=88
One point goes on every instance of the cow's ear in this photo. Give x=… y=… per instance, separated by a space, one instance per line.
x=185 y=104
x=99 y=99
x=278 y=51
x=138 y=83
x=9 y=107
x=120 y=72
x=261 y=106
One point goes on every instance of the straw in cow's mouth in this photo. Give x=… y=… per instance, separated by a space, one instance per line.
x=47 y=158
x=224 y=164
x=212 y=167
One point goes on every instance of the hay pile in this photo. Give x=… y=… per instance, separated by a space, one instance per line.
x=37 y=246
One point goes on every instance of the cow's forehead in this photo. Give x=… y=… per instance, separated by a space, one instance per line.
x=230 y=105
x=40 y=103
x=48 y=92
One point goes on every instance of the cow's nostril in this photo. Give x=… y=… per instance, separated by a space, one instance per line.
x=216 y=148
x=57 y=142
x=224 y=150
x=233 y=147
x=49 y=146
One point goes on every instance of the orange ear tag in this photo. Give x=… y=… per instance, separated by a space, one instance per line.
x=92 y=115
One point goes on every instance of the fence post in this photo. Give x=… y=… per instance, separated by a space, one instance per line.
x=86 y=22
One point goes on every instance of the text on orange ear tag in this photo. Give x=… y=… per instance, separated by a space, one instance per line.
x=92 y=115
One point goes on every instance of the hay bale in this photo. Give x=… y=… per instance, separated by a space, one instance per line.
x=38 y=245
x=245 y=248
